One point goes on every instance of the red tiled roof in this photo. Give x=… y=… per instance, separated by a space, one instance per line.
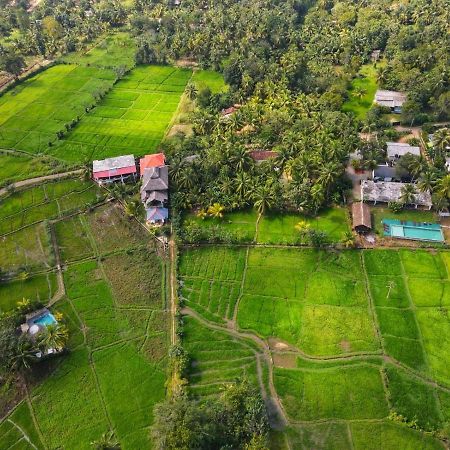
x=156 y=160
x=114 y=172
x=228 y=111
x=262 y=155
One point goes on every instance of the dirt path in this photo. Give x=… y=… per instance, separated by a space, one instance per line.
x=278 y=416
x=37 y=180
x=173 y=290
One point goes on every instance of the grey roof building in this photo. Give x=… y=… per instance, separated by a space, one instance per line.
x=391 y=99
x=385 y=192
x=396 y=150
x=155 y=179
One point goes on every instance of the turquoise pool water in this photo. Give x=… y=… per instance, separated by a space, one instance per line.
x=421 y=231
x=46 y=320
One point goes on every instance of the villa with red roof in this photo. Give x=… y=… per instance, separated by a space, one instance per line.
x=109 y=170
x=155 y=187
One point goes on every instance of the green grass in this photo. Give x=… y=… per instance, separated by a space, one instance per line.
x=45 y=201
x=28 y=249
x=367 y=81
x=274 y=227
x=208 y=78
x=345 y=393
x=382 y=262
x=35 y=110
x=323 y=436
x=216 y=359
x=112 y=51
x=21 y=417
x=18 y=166
x=413 y=399
x=134 y=115
x=73 y=240
x=388 y=290
x=39 y=287
x=279 y=228
x=390 y=436
x=423 y=264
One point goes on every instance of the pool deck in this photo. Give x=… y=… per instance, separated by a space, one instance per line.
x=416 y=231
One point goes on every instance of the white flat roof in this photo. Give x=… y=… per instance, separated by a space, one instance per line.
x=113 y=163
x=401 y=149
x=389 y=98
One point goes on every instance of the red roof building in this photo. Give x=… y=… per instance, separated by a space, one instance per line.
x=262 y=155
x=149 y=161
x=114 y=169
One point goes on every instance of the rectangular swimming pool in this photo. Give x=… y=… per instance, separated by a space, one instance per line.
x=420 y=231
x=46 y=320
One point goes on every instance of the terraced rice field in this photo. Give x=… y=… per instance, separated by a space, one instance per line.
x=134 y=115
x=34 y=111
x=357 y=338
x=116 y=311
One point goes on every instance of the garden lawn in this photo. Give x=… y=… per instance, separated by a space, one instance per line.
x=132 y=118
x=366 y=80
x=33 y=112
x=277 y=228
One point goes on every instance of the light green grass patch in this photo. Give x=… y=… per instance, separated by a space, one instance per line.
x=435 y=328
x=382 y=262
x=39 y=287
x=22 y=418
x=276 y=228
x=397 y=322
x=413 y=399
x=406 y=351
x=390 y=436
x=330 y=330
x=365 y=80
x=387 y=290
x=429 y=292
x=345 y=393
x=212 y=80
x=423 y=263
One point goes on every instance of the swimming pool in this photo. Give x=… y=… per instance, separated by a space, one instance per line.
x=420 y=231
x=45 y=320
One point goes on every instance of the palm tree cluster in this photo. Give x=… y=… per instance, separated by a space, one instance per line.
x=311 y=148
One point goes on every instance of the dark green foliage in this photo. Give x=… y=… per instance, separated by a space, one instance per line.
x=238 y=417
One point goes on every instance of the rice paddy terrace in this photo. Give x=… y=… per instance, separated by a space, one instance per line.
x=350 y=348
x=101 y=274
x=90 y=106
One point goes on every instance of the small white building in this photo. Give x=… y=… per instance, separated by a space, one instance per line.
x=395 y=150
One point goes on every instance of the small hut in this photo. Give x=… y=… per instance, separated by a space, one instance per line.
x=362 y=222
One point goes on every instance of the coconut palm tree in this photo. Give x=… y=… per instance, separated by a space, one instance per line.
x=441 y=139
x=54 y=336
x=359 y=92
x=191 y=91
x=408 y=194
x=216 y=210
x=264 y=198
x=107 y=441
x=25 y=354
x=427 y=181
x=443 y=187
x=382 y=73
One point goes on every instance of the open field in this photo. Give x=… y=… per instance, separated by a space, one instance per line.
x=275 y=228
x=388 y=308
x=134 y=115
x=116 y=368
x=116 y=50
x=20 y=166
x=37 y=109
x=366 y=80
x=46 y=201
x=208 y=78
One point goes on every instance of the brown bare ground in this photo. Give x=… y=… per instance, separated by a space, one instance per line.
x=285 y=360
